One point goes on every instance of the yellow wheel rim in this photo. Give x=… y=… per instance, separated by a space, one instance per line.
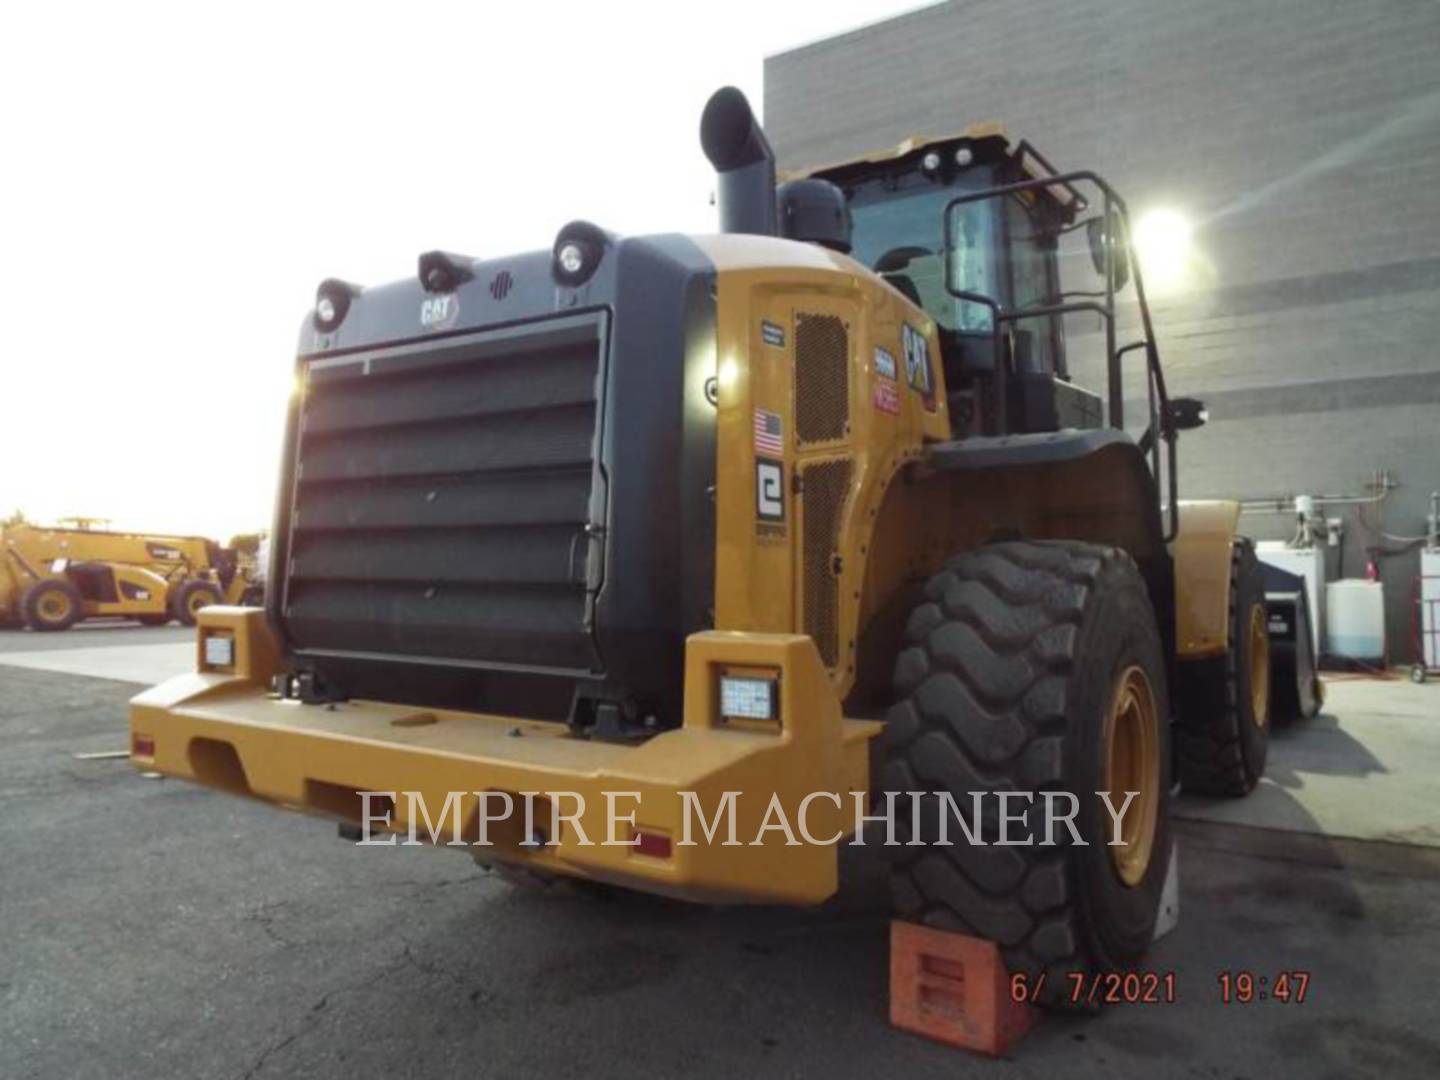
x=1132 y=745
x=1259 y=666
x=54 y=606
x=199 y=600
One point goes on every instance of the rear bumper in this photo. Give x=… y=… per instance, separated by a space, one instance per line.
x=225 y=729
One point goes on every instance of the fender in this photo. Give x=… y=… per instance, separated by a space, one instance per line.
x=1202 y=548
x=1075 y=485
x=1202 y=552
x=1091 y=485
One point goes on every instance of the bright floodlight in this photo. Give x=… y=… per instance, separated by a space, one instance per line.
x=1162 y=242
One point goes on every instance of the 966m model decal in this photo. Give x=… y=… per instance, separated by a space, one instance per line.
x=884 y=363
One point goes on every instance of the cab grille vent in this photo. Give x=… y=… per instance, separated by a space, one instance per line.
x=822 y=384
x=823 y=490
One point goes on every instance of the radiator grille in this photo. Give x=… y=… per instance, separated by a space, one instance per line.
x=822 y=384
x=823 y=489
x=441 y=500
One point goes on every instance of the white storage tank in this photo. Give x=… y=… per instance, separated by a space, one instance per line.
x=1309 y=563
x=1355 y=620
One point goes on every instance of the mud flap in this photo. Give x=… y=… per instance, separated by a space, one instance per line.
x=1295 y=690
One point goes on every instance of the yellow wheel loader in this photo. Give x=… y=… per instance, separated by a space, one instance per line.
x=51 y=578
x=672 y=562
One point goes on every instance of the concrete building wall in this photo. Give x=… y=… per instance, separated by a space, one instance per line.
x=1301 y=138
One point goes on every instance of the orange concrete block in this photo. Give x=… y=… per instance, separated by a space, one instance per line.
x=953 y=988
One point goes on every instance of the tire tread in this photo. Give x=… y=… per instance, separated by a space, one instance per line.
x=984 y=678
x=1209 y=751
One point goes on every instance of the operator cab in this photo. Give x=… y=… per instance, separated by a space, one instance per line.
x=930 y=219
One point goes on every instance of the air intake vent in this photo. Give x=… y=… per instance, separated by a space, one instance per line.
x=500 y=285
x=822 y=379
x=442 y=500
x=823 y=488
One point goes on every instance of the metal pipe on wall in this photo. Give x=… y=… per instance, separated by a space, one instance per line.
x=1286 y=504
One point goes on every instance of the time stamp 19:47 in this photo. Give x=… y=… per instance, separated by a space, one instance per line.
x=1159 y=987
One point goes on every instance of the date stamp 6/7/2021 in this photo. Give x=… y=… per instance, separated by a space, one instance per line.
x=1099 y=987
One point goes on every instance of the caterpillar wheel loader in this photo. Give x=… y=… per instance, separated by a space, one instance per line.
x=796 y=515
x=52 y=578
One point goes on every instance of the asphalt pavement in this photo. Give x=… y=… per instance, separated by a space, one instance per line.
x=149 y=928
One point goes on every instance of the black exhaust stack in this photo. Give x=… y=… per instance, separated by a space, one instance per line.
x=735 y=145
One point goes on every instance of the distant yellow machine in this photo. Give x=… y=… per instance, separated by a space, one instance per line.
x=52 y=578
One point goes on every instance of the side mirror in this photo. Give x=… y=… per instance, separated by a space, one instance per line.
x=1187 y=413
x=1103 y=246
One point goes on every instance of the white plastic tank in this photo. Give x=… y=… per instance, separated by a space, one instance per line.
x=1355 y=620
x=1309 y=563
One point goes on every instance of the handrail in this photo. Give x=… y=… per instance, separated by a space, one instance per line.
x=1114 y=211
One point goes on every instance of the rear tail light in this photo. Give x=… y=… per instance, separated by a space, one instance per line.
x=655 y=845
x=142 y=746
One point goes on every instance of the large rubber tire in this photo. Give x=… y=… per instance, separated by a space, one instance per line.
x=52 y=604
x=1223 y=734
x=1007 y=683
x=190 y=597
x=153 y=620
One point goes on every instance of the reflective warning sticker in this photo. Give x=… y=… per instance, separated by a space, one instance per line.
x=887 y=397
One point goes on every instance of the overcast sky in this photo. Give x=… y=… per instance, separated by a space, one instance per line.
x=179 y=177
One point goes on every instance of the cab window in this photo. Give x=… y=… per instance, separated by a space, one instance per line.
x=899 y=232
x=1032 y=285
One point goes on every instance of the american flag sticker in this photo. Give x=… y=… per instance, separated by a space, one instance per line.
x=769 y=432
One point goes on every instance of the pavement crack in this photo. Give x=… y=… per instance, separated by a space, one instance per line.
x=315 y=1015
x=264 y=916
x=432 y=969
x=270 y=1051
